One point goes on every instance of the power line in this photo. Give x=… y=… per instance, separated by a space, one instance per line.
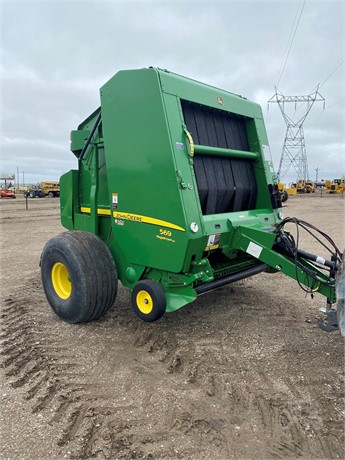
x=311 y=129
x=316 y=122
x=340 y=100
x=289 y=39
x=333 y=71
x=291 y=43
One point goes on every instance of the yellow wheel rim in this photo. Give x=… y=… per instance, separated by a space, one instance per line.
x=144 y=302
x=61 y=280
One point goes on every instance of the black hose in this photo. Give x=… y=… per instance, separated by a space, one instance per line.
x=291 y=249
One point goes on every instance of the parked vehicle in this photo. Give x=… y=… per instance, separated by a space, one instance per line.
x=42 y=189
x=7 y=194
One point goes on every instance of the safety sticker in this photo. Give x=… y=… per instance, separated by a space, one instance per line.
x=119 y=222
x=213 y=241
x=254 y=250
x=115 y=200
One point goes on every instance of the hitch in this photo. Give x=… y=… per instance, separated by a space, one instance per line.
x=330 y=323
x=335 y=319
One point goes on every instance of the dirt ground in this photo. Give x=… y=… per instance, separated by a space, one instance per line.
x=244 y=372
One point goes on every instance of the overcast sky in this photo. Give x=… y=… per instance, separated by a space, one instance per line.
x=56 y=55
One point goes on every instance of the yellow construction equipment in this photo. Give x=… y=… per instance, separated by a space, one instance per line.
x=42 y=189
x=284 y=196
x=335 y=186
x=291 y=190
x=302 y=186
x=309 y=186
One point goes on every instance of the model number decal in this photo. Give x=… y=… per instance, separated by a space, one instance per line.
x=165 y=235
x=165 y=232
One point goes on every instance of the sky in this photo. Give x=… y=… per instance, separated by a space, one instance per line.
x=56 y=55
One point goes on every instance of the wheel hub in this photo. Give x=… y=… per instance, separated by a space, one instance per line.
x=144 y=302
x=61 y=280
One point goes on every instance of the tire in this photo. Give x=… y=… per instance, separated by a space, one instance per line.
x=32 y=195
x=79 y=276
x=51 y=195
x=284 y=196
x=148 y=300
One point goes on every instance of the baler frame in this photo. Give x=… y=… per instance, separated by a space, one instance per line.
x=192 y=135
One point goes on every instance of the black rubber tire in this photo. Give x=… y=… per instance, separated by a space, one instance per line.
x=32 y=195
x=157 y=294
x=50 y=194
x=284 y=196
x=92 y=272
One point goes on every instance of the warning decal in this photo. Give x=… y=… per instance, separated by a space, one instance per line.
x=115 y=200
x=213 y=242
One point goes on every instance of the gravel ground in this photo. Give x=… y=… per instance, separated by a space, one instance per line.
x=243 y=372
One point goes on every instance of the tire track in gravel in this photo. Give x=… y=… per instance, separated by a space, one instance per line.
x=293 y=427
x=178 y=383
x=89 y=424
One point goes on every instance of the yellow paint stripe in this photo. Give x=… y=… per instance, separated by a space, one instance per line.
x=146 y=220
x=100 y=211
x=134 y=218
x=104 y=212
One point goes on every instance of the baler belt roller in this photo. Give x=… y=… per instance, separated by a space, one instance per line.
x=243 y=154
x=206 y=287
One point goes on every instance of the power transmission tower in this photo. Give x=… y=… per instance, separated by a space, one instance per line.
x=294 y=152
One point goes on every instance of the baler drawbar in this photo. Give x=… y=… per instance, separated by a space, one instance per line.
x=175 y=196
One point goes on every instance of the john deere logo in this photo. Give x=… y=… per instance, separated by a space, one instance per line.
x=220 y=100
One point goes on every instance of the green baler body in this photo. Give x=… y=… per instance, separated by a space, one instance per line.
x=166 y=214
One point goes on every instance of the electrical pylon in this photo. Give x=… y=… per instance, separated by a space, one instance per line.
x=294 y=151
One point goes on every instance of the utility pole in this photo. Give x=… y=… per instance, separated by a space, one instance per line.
x=317 y=174
x=294 y=151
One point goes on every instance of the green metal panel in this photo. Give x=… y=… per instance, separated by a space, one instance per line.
x=141 y=172
x=68 y=195
x=78 y=139
x=210 y=96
